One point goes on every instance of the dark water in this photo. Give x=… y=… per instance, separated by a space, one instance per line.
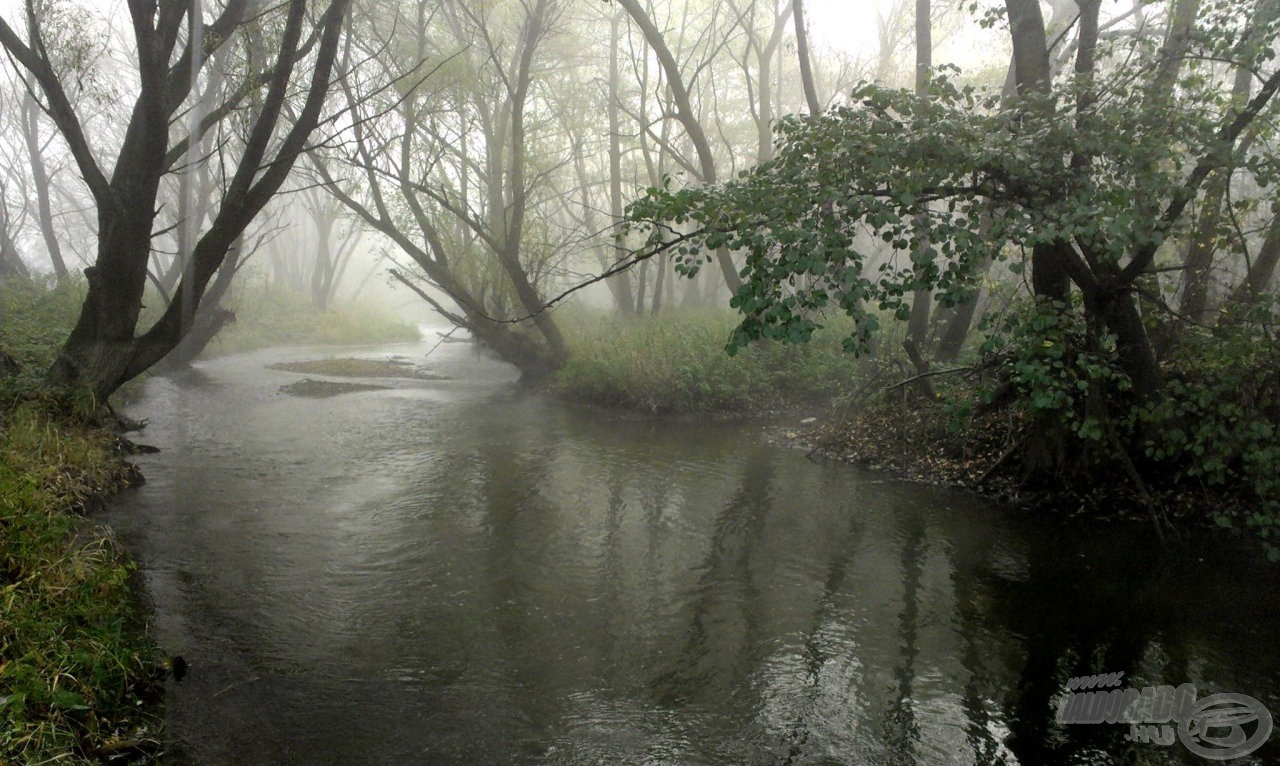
x=461 y=572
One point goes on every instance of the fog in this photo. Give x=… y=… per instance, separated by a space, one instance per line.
x=507 y=359
x=600 y=122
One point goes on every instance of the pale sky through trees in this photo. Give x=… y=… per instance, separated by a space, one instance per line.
x=851 y=27
x=848 y=25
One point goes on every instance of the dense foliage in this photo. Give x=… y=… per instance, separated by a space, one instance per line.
x=1092 y=184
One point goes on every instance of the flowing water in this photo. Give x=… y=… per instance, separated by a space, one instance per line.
x=460 y=571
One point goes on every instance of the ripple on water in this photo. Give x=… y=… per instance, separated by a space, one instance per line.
x=468 y=573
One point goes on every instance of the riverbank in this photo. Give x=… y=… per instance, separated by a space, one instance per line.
x=1197 y=456
x=38 y=317
x=676 y=364
x=79 y=679
x=983 y=453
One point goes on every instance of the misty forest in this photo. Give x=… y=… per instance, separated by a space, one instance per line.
x=639 y=381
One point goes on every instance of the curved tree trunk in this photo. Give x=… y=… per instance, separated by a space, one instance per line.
x=211 y=317
x=534 y=360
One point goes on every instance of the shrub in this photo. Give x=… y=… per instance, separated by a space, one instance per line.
x=1216 y=424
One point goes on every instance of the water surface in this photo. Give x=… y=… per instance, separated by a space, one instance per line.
x=464 y=572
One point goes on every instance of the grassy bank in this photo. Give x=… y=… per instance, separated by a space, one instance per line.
x=676 y=362
x=37 y=318
x=282 y=318
x=78 y=679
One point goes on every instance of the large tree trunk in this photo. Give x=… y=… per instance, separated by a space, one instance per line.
x=1031 y=73
x=102 y=351
x=1134 y=351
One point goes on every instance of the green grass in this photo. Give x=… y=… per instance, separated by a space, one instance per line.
x=677 y=363
x=283 y=318
x=78 y=675
x=36 y=318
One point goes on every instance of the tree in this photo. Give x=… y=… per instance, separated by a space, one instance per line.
x=1092 y=178
x=77 y=44
x=921 y=297
x=172 y=48
x=446 y=173
x=802 y=54
x=685 y=114
x=314 y=245
x=1211 y=227
x=758 y=62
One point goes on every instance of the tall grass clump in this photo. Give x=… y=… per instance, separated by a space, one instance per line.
x=77 y=673
x=676 y=362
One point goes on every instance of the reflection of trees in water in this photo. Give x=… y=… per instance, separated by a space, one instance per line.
x=966 y=661
x=983 y=731
x=817 y=650
x=704 y=671
x=711 y=662
x=1083 y=617
x=901 y=727
x=513 y=461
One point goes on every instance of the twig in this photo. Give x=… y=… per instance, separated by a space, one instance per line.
x=1143 y=495
x=929 y=374
x=443 y=338
x=865 y=387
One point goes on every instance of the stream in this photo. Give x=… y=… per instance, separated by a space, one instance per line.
x=461 y=571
